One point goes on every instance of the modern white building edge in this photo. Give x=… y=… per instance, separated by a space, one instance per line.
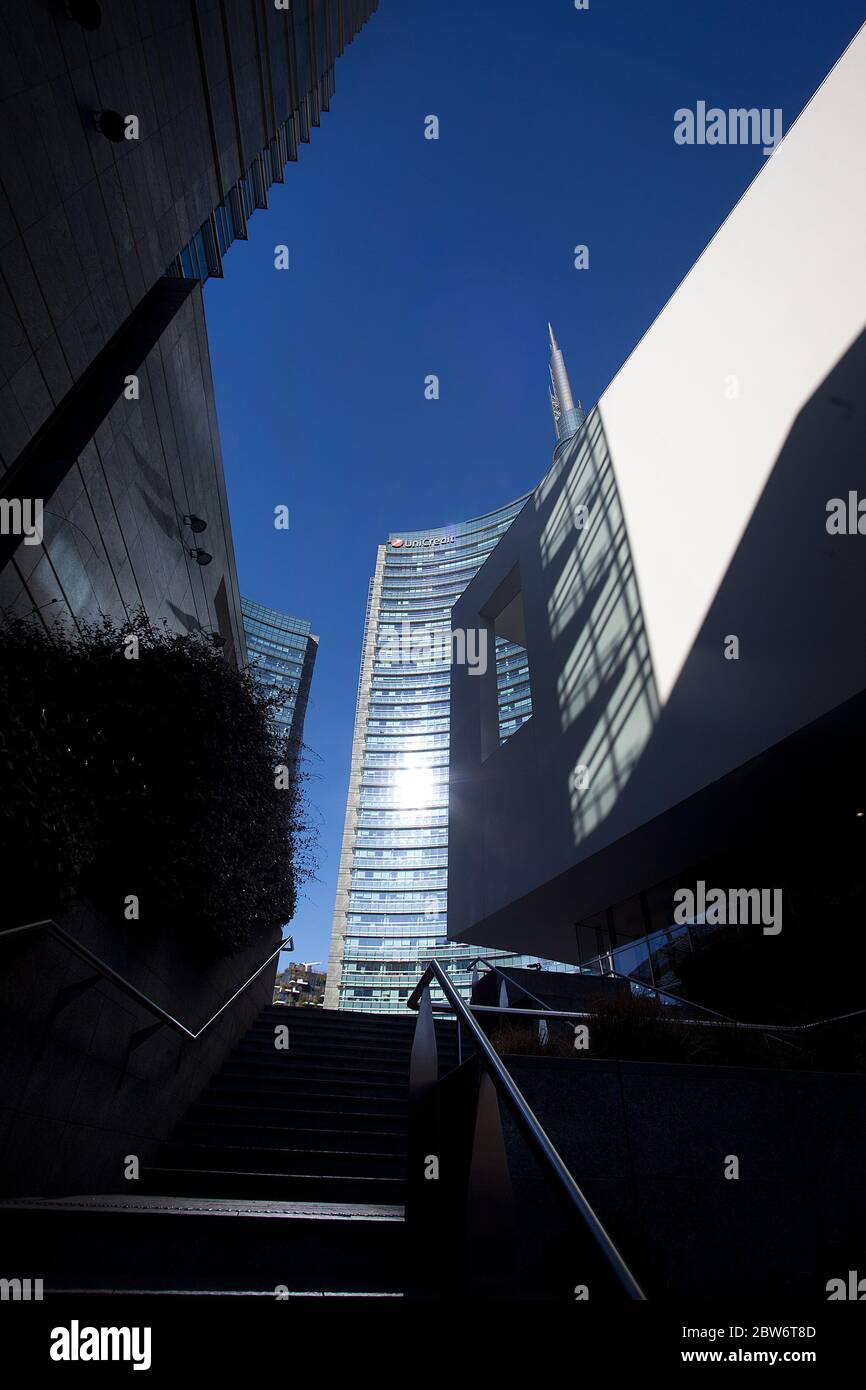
x=690 y=509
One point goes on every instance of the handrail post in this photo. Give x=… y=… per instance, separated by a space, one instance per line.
x=489 y=1203
x=422 y=1184
x=492 y=1064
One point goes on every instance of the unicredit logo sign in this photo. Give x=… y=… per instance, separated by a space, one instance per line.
x=427 y=540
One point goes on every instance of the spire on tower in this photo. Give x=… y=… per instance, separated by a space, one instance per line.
x=554 y=402
x=567 y=417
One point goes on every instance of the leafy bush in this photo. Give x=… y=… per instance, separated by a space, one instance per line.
x=151 y=775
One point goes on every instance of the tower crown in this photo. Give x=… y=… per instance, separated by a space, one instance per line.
x=567 y=417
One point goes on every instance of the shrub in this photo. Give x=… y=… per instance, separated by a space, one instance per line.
x=150 y=775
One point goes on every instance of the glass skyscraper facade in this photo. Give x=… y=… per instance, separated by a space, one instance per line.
x=282 y=653
x=390 y=912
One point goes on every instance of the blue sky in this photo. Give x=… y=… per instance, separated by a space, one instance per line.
x=410 y=257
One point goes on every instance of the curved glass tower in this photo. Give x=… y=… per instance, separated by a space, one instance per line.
x=282 y=652
x=390 y=911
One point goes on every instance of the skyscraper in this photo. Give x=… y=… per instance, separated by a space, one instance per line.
x=391 y=902
x=282 y=652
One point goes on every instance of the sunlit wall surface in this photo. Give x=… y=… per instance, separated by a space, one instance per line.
x=390 y=914
x=688 y=592
x=282 y=653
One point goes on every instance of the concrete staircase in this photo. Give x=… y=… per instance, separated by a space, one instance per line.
x=288 y=1172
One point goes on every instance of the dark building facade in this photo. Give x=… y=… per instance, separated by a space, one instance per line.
x=132 y=154
x=135 y=142
x=282 y=652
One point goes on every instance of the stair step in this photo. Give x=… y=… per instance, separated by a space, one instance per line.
x=282 y=1119
x=353 y=1063
x=289 y=1158
x=336 y=1050
x=287 y=1171
x=157 y=1245
x=320 y=1022
x=310 y=1099
x=345 y=1026
x=58 y=1291
x=340 y=1042
x=301 y=1080
x=255 y=1186
x=402 y=1037
x=312 y=1069
x=357 y=1016
x=289 y=1137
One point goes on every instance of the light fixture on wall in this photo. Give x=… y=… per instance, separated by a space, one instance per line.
x=200 y=556
x=110 y=124
x=195 y=523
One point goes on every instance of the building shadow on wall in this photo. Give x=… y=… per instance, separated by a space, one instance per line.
x=606 y=689
x=170 y=526
x=187 y=620
x=793 y=598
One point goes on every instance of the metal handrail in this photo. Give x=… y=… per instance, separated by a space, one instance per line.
x=735 y=1022
x=718 y=1020
x=571 y=1014
x=608 y=975
x=84 y=953
x=724 y=1019
x=497 y=970
x=505 y=1083
x=613 y=975
x=666 y=993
